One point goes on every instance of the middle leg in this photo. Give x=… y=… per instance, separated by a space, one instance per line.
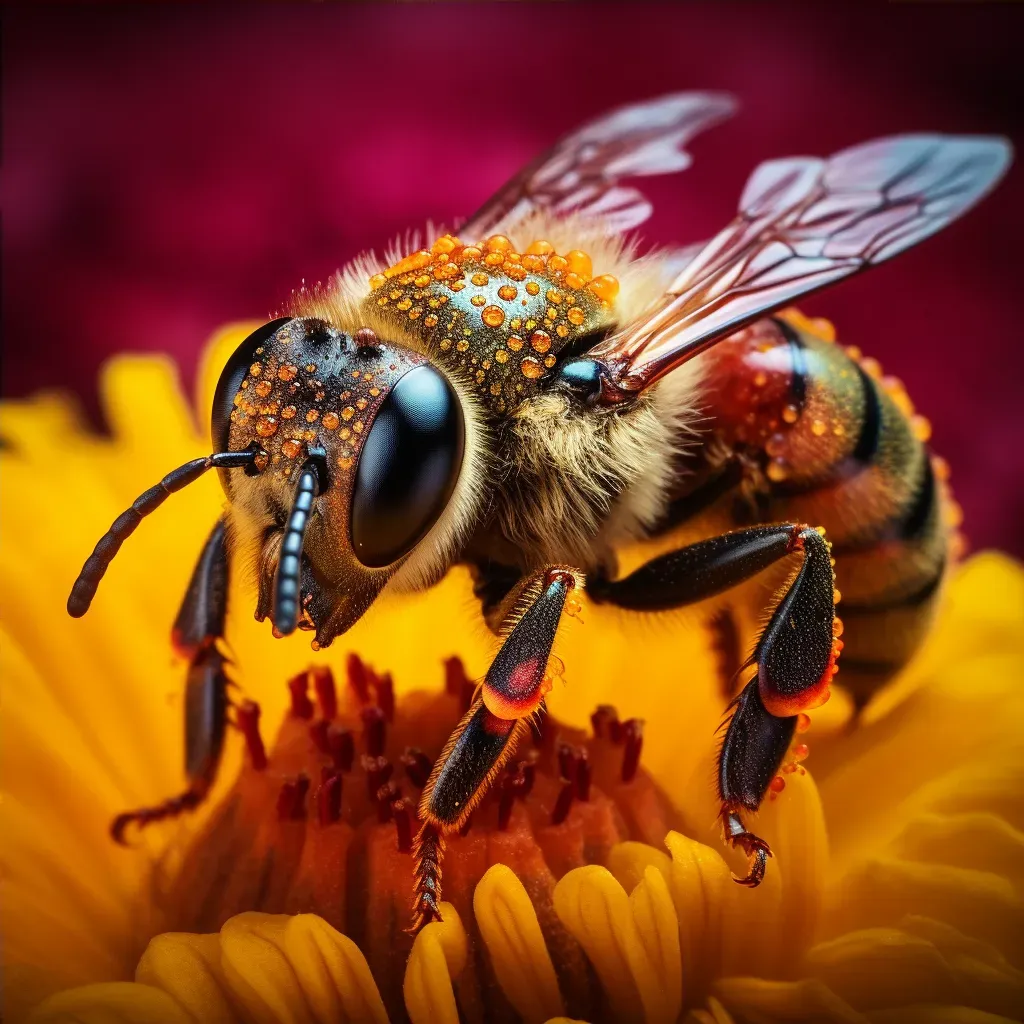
x=511 y=694
x=795 y=654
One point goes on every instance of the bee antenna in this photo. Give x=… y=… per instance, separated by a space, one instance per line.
x=312 y=479
x=84 y=589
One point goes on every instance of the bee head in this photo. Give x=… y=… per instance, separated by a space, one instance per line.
x=375 y=433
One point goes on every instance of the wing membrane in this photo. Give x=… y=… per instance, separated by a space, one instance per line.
x=804 y=223
x=581 y=173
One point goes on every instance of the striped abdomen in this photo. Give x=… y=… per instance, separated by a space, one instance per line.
x=827 y=441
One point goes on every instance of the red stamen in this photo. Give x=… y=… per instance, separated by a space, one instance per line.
x=291 y=801
x=374 y=730
x=563 y=803
x=326 y=693
x=378 y=771
x=302 y=706
x=566 y=761
x=328 y=800
x=417 y=766
x=584 y=775
x=528 y=770
x=318 y=734
x=342 y=747
x=385 y=797
x=466 y=826
x=455 y=677
x=386 y=696
x=247 y=715
x=633 y=732
x=603 y=720
x=357 y=677
x=505 y=802
x=403 y=825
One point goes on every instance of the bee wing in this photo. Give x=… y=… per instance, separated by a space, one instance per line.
x=804 y=223
x=581 y=173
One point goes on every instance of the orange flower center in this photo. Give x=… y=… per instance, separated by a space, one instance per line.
x=324 y=822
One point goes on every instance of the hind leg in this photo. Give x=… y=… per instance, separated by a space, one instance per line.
x=795 y=654
x=199 y=624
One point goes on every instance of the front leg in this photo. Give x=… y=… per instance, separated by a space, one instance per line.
x=200 y=623
x=795 y=654
x=512 y=691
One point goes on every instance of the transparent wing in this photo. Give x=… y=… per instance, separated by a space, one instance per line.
x=804 y=223
x=581 y=173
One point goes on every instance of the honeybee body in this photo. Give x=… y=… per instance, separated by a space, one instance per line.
x=533 y=396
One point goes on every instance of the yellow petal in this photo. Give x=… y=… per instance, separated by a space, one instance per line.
x=256 y=967
x=883 y=891
x=188 y=968
x=116 y=1002
x=511 y=932
x=658 y=928
x=595 y=909
x=438 y=955
x=929 y=1013
x=629 y=861
x=784 y=1001
x=794 y=826
x=333 y=973
x=700 y=883
x=887 y=967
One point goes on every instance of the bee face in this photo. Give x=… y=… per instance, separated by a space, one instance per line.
x=389 y=432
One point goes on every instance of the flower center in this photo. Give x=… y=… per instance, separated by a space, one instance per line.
x=324 y=822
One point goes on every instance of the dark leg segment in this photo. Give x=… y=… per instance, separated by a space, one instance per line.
x=488 y=733
x=795 y=655
x=199 y=624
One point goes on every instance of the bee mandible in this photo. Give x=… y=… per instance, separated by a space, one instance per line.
x=528 y=395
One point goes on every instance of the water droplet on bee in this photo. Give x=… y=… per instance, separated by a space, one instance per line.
x=493 y=316
x=266 y=426
x=531 y=368
x=790 y=414
x=818 y=428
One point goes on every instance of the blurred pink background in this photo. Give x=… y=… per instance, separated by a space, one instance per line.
x=168 y=169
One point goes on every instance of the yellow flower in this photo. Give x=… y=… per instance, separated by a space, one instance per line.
x=910 y=910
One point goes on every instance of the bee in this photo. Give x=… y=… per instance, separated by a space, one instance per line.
x=530 y=394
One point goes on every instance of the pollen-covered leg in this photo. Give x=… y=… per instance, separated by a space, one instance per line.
x=487 y=735
x=199 y=624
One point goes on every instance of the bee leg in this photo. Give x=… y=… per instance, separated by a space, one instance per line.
x=512 y=692
x=199 y=623
x=795 y=654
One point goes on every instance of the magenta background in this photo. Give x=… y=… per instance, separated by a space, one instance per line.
x=169 y=169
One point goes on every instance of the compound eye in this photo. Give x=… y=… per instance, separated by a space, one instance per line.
x=231 y=378
x=408 y=467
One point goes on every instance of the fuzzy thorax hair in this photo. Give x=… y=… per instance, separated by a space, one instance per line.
x=564 y=484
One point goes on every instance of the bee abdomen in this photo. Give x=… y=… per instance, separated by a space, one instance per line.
x=841 y=447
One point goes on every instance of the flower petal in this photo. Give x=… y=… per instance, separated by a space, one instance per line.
x=784 y=1001
x=595 y=908
x=438 y=955
x=114 y=1002
x=658 y=927
x=261 y=977
x=511 y=932
x=188 y=968
x=333 y=973
x=629 y=861
x=701 y=886
x=889 y=967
